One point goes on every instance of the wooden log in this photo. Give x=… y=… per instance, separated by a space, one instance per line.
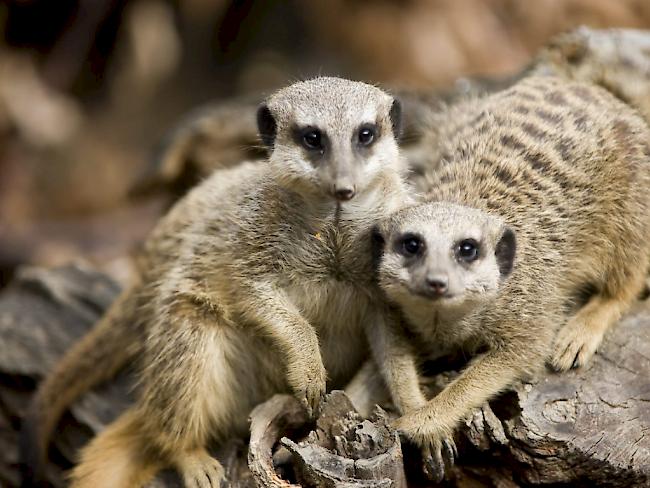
x=584 y=428
x=346 y=450
x=269 y=422
x=587 y=427
x=41 y=314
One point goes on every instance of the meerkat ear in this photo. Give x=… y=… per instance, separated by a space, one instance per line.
x=266 y=125
x=572 y=47
x=378 y=244
x=505 y=251
x=395 y=115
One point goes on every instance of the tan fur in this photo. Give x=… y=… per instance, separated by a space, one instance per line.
x=567 y=167
x=118 y=458
x=615 y=59
x=258 y=282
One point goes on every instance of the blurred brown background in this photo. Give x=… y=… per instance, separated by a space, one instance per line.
x=88 y=88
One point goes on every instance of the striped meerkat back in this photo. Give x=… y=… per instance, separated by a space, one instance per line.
x=543 y=146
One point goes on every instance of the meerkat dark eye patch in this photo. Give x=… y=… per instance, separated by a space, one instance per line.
x=311 y=138
x=410 y=245
x=266 y=125
x=505 y=251
x=467 y=250
x=366 y=135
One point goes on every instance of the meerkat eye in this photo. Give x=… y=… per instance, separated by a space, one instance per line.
x=468 y=250
x=366 y=135
x=312 y=139
x=411 y=245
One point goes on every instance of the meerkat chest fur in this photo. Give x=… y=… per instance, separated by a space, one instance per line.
x=323 y=262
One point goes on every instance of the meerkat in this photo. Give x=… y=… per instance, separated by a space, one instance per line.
x=257 y=282
x=615 y=59
x=531 y=242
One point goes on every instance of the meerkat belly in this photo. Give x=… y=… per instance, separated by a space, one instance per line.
x=338 y=311
x=241 y=373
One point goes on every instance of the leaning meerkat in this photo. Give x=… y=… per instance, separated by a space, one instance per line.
x=257 y=282
x=532 y=243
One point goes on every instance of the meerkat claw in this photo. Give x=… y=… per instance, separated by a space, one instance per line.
x=311 y=400
x=202 y=471
x=574 y=346
x=437 y=457
x=434 y=466
x=577 y=363
x=305 y=403
x=450 y=450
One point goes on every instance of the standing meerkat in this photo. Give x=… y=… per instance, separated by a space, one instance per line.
x=532 y=244
x=258 y=282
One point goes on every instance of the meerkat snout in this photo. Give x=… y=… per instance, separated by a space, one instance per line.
x=444 y=254
x=438 y=284
x=345 y=192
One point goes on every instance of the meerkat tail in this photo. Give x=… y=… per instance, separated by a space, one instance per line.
x=95 y=358
x=116 y=457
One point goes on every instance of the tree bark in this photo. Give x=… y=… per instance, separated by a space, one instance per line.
x=586 y=427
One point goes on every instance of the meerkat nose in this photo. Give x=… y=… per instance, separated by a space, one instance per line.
x=345 y=193
x=437 y=284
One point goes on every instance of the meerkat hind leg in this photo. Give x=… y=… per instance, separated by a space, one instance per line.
x=578 y=340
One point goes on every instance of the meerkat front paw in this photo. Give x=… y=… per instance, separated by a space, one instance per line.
x=310 y=386
x=200 y=470
x=438 y=450
x=436 y=455
x=575 y=344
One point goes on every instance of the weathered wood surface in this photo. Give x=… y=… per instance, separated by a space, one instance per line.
x=583 y=428
x=344 y=449
x=41 y=314
x=269 y=422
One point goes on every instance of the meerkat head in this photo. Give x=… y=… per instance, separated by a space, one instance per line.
x=331 y=136
x=443 y=256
